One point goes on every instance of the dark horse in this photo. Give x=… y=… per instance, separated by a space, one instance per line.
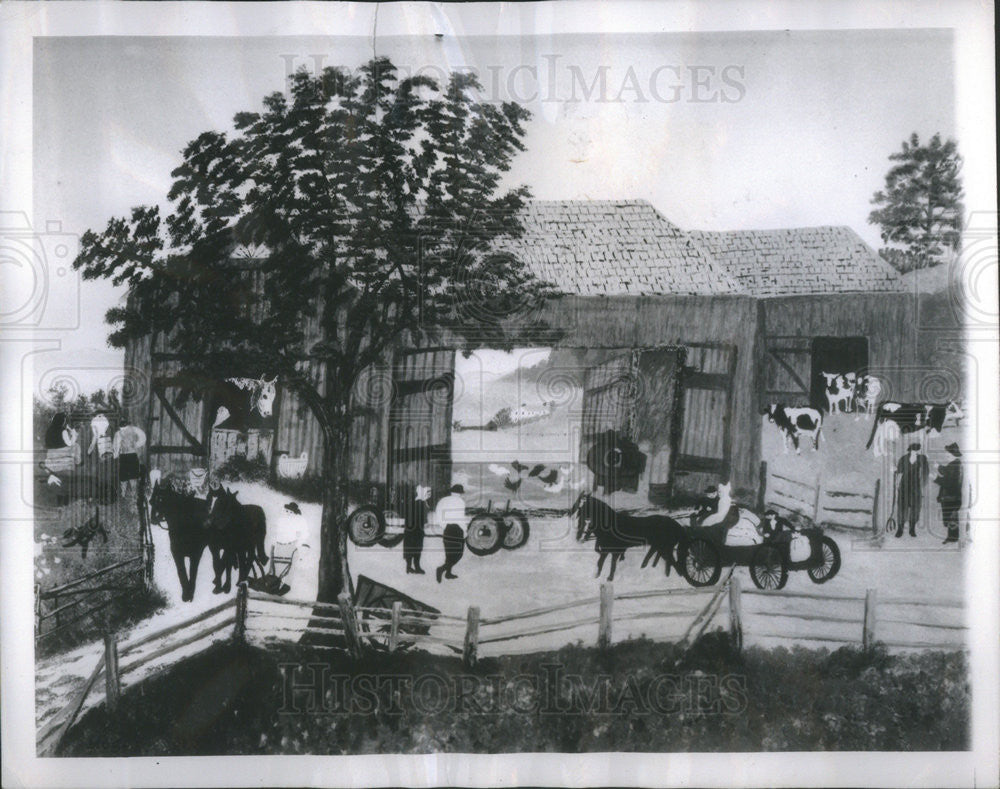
x=615 y=532
x=236 y=537
x=186 y=517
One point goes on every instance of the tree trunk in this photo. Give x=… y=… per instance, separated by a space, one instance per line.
x=334 y=573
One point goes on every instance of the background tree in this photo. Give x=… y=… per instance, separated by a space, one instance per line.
x=365 y=209
x=920 y=210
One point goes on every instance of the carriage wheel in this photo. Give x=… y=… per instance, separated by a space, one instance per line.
x=701 y=563
x=516 y=530
x=366 y=526
x=485 y=534
x=830 y=555
x=768 y=568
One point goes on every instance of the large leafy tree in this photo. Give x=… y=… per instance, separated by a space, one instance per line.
x=354 y=213
x=920 y=210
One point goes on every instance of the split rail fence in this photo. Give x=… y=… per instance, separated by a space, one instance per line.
x=264 y=620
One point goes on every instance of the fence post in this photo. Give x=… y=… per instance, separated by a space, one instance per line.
x=38 y=609
x=112 y=684
x=735 y=613
x=762 y=487
x=471 y=647
x=397 y=608
x=819 y=493
x=240 y=628
x=604 y=626
x=878 y=486
x=55 y=608
x=868 y=635
x=348 y=615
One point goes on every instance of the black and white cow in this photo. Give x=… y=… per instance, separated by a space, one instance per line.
x=893 y=420
x=866 y=394
x=839 y=391
x=796 y=422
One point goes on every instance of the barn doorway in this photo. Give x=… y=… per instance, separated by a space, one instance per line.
x=834 y=355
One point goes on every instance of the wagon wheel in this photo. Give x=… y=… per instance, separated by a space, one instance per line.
x=390 y=540
x=701 y=563
x=769 y=568
x=516 y=529
x=830 y=556
x=485 y=534
x=366 y=526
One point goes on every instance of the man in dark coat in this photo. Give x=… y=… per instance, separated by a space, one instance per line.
x=949 y=482
x=415 y=510
x=912 y=471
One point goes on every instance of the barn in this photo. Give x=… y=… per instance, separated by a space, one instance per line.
x=712 y=326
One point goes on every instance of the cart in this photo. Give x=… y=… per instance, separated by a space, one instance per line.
x=704 y=553
x=488 y=530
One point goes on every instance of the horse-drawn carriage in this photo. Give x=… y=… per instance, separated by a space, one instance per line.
x=704 y=552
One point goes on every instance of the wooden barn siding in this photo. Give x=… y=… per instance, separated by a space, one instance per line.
x=630 y=322
x=137 y=391
x=597 y=322
x=888 y=320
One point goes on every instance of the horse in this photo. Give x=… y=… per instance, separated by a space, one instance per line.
x=236 y=537
x=615 y=532
x=186 y=517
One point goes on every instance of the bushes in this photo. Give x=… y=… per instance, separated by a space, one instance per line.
x=240 y=469
x=636 y=696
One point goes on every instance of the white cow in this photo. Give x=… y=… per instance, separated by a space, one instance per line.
x=839 y=391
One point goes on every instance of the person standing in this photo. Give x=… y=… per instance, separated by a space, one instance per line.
x=912 y=471
x=415 y=515
x=949 y=482
x=450 y=511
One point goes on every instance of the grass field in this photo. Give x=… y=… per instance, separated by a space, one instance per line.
x=638 y=696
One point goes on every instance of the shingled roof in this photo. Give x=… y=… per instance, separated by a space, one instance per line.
x=799 y=261
x=614 y=247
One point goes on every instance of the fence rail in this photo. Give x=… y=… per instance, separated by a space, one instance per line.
x=344 y=627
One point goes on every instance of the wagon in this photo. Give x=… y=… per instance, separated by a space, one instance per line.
x=704 y=553
x=488 y=530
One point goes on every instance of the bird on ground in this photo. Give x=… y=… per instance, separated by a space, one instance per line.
x=549 y=477
x=536 y=470
x=518 y=467
x=512 y=485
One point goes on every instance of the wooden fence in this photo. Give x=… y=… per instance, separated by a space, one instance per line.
x=265 y=620
x=810 y=500
x=81 y=598
x=114 y=667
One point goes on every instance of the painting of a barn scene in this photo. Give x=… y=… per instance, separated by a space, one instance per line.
x=451 y=423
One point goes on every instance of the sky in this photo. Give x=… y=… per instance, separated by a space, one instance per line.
x=718 y=131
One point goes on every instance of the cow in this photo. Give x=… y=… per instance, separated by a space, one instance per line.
x=796 y=422
x=866 y=394
x=839 y=391
x=893 y=420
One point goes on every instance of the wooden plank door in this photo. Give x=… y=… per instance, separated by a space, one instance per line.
x=787 y=371
x=178 y=430
x=704 y=455
x=420 y=420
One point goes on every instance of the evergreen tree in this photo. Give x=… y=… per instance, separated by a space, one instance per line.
x=354 y=214
x=920 y=210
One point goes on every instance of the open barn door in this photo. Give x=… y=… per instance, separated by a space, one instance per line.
x=704 y=455
x=634 y=394
x=420 y=420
